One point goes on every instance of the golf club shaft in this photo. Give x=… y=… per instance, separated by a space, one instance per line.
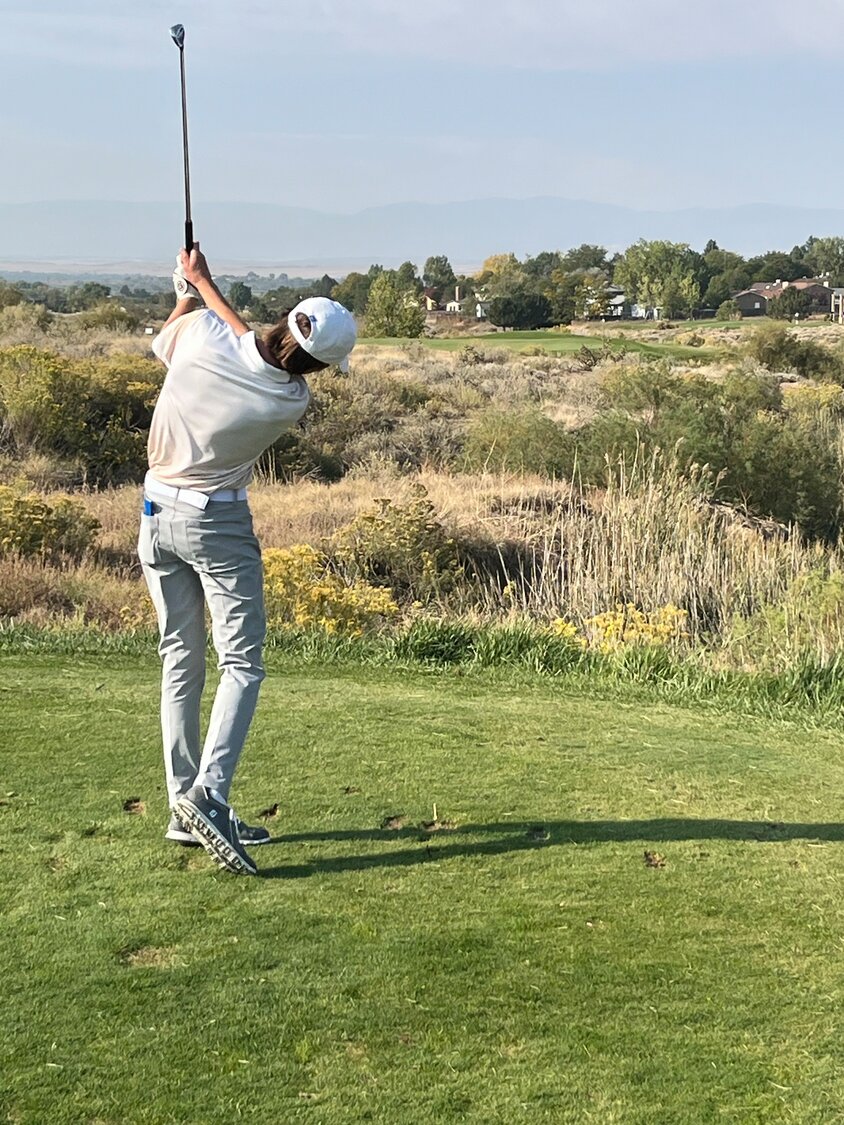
x=188 y=219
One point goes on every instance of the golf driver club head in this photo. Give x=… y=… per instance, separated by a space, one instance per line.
x=178 y=33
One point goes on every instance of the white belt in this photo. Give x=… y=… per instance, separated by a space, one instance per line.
x=159 y=491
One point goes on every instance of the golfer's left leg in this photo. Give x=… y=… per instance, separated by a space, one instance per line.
x=233 y=583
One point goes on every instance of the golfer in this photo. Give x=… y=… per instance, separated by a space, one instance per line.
x=227 y=396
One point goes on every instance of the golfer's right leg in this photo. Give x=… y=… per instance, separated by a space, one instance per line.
x=176 y=593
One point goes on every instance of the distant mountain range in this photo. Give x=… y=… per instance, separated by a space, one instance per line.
x=99 y=234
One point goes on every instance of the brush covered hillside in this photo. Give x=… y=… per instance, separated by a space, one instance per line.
x=673 y=490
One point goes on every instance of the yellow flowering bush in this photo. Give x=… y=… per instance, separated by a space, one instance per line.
x=627 y=626
x=814 y=398
x=564 y=630
x=300 y=590
x=31 y=525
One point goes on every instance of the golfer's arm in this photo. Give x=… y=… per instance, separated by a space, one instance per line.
x=217 y=303
x=185 y=305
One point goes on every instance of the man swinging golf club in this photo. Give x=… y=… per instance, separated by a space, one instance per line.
x=226 y=398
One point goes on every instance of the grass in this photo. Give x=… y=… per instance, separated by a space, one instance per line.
x=555 y=343
x=525 y=964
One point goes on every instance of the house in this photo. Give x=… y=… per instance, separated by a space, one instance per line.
x=430 y=301
x=646 y=312
x=838 y=305
x=458 y=304
x=756 y=301
x=618 y=307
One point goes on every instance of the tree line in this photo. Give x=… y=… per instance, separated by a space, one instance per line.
x=549 y=288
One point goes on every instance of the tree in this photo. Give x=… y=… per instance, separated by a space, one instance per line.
x=791 y=302
x=660 y=274
x=590 y=298
x=438 y=274
x=585 y=257
x=542 y=266
x=81 y=297
x=522 y=310
x=826 y=256
x=723 y=286
x=561 y=293
x=240 y=295
x=407 y=277
x=777 y=266
x=323 y=286
x=391 y=310
x=502 y=274
x=9 y=295
x=353 y=291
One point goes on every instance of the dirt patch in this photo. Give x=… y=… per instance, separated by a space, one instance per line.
x=135 y=806
x=149 y=957
x=394 y=823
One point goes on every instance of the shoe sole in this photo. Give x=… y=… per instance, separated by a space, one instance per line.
x=217 y=846
x=188 y=841
x=183 y=838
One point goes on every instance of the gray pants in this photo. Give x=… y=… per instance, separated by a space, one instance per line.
x=192 y=558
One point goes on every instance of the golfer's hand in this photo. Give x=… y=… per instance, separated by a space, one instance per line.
x=194 y=266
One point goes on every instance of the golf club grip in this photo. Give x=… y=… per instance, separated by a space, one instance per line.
x=189 y=236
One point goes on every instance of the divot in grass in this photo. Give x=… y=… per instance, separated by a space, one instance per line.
x=149 y=956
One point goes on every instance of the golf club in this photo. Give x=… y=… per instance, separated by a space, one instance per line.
x=178 y=33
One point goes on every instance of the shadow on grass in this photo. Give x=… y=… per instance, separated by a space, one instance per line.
x=499 y=839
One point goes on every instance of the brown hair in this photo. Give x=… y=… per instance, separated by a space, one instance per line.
x=282 y=343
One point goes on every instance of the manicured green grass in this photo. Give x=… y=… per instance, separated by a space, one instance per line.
x=552 y=342
x=524 y=965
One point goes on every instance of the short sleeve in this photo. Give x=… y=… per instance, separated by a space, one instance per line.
x=195 y=326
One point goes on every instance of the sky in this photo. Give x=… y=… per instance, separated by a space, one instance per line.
x=335 y=105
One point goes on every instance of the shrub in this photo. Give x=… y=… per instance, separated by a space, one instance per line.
x=815 y=398
x=526 y=441
x=728 y=310
x=775 y=347
x=32 y=525
x=24 y=319
x=95 y=412
x=302 y=591
x=402 y=546
x=692 y=340
x=808 y=618
x=627 y=626
x=109 y=315
x=471 y=356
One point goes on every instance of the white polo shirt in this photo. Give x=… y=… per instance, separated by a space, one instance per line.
x=220 y=407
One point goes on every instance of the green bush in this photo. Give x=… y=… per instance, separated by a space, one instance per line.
x=728 y=310
x=776 y=348
x=33 y=525
x=809 y=618
x=526 y=441
x=95 y=412
x=776 y=461
x=109 y=315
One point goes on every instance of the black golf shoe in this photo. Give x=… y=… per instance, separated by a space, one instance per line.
x=214 y=825
x=249 y=834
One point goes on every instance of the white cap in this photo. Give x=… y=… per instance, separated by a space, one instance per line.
x=333 y=330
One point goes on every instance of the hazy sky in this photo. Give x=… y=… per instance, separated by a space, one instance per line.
x=337 y=104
